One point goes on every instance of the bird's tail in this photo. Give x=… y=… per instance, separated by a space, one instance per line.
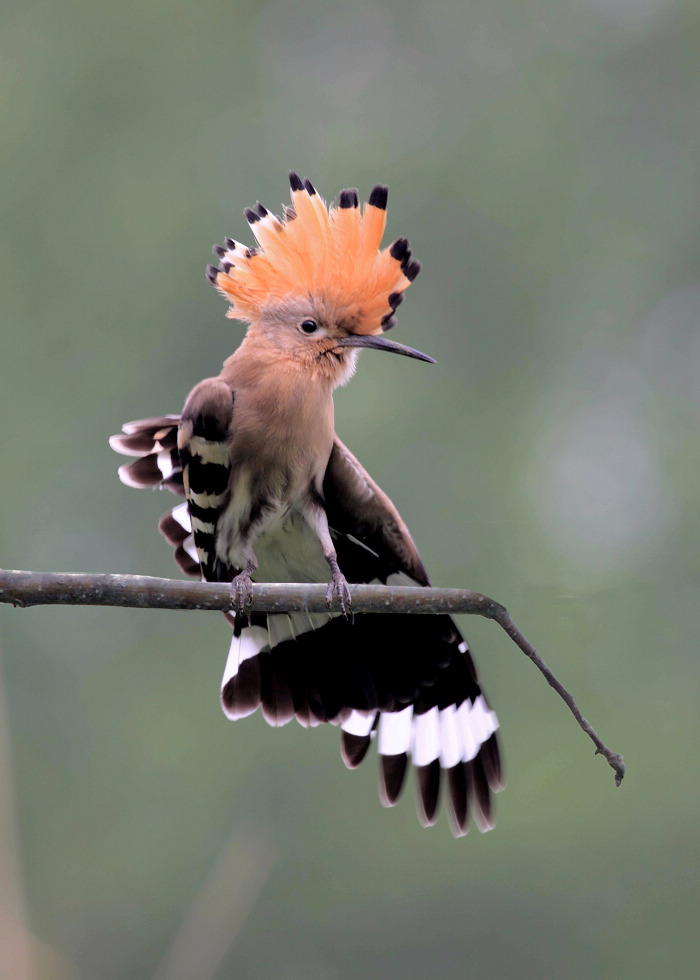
x=407 y=682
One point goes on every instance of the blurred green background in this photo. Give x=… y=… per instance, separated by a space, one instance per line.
x=543 y=157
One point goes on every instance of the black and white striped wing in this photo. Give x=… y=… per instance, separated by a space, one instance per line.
x=203 y=444
x=187 y=455
x=154 y=442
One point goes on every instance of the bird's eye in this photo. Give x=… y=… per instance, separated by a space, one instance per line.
x=309 y=326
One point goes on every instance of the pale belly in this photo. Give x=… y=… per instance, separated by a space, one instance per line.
x=289 y=551
x=285 y=546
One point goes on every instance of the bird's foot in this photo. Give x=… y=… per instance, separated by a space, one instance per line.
x=241 y=593
x=338 y=585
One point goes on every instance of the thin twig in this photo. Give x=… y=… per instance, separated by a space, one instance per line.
x=614 y=759
x=139 y=591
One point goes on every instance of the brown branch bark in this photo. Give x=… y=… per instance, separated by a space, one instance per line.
x=21 y=588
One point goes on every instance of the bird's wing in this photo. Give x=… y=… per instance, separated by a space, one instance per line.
x=154 y=441
x=356 y=506
x=203 y=443
x=158 y=466
x=188 y=455
x=417 y=670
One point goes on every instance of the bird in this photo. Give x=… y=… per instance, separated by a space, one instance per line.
x=273 y=495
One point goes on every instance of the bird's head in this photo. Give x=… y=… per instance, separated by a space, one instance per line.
x=318 y=287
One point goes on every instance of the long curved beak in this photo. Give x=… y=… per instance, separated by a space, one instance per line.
x=380 y=343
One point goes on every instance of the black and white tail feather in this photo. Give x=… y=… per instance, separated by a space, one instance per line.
x=407 y=681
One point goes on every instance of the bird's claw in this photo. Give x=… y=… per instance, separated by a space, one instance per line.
x=241 y=593
x=338 y=585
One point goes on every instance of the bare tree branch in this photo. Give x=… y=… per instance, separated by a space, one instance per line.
x=142 y=592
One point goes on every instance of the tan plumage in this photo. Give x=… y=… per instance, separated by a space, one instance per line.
x=273 y=494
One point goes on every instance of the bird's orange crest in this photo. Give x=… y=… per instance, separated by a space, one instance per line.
x=329 y=253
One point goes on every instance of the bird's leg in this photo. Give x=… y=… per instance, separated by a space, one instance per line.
x=338 y=585
x=242 y=586
x=315 y=515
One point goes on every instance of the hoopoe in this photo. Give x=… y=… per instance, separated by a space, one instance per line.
x=272 y=494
